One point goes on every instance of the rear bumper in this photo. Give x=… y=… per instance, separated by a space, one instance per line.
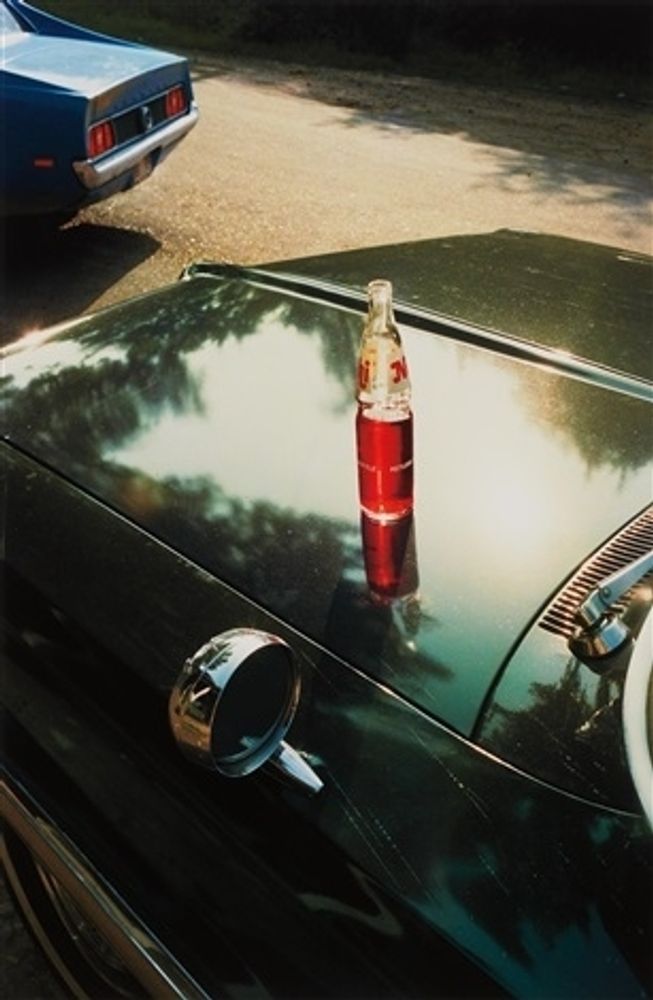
x=95 y=174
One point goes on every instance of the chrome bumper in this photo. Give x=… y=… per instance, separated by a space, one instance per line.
x=95 y=173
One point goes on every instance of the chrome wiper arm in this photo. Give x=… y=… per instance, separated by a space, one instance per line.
x=599 y=631
x=611 y=589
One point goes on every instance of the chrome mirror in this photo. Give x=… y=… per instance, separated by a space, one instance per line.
x=233 y=703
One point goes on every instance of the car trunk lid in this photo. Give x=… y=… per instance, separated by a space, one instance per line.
x=93 y=69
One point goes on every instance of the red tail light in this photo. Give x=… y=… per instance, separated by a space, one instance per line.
x=101 y=138
x=176 y=102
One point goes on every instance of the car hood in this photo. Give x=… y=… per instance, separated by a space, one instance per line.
x=585 y=299
x=219 y=415
x=80 y=66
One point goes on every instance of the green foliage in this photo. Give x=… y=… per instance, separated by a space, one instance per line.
x=608 y=43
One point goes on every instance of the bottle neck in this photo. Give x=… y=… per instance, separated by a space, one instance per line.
x=383 y=381
x=380 y=316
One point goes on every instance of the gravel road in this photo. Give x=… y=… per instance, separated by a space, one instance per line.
x=291 y=161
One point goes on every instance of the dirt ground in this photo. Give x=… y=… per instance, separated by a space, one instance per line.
x=290 y=161
x=616 y=134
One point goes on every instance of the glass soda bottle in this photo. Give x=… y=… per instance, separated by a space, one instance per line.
x=384 y=421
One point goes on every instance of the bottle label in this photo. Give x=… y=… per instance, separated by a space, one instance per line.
x=382 y=368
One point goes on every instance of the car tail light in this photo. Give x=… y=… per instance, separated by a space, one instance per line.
x=176 y=102
x=101 y=138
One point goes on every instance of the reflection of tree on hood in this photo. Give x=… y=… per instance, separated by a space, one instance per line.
x=256 y=547
x=588 y=745
x=539 y=870
x=132 y=363
x=521 y=872
x=140 y=369
x=578 y=412
x=571 y=296
x=130 y=367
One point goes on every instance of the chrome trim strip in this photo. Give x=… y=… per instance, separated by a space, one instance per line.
x=147 y=959
x=430 y=321
x=95 y=173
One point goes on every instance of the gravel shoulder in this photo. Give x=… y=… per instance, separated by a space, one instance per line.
x=615 y=134
x=291 y=160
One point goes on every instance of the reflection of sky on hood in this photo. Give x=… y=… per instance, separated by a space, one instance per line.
x=242 y=437
x=520 y=473
x=277 y=432
x=492 y=481
x=503 y=484
x=54 y=356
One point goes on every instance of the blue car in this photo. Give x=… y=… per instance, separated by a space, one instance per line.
x=83 y=115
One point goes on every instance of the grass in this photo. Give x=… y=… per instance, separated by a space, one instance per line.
x=505 y=64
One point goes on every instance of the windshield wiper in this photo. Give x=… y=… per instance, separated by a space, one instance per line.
x=600 y=631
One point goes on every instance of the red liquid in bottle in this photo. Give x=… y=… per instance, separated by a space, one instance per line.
x=385 y=462
x=389 y=554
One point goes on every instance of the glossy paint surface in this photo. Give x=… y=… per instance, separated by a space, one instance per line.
x=420 y=852
x=220 y=415
x=86 y=67
x=561 y=719
x=185 y=465
x=591 y=301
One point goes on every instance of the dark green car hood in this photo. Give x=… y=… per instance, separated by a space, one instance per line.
x=588 y=300
x=219 y=415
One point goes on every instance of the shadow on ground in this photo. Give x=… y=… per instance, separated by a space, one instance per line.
x=555 y=142
x=24 y=972
x=49 y=274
